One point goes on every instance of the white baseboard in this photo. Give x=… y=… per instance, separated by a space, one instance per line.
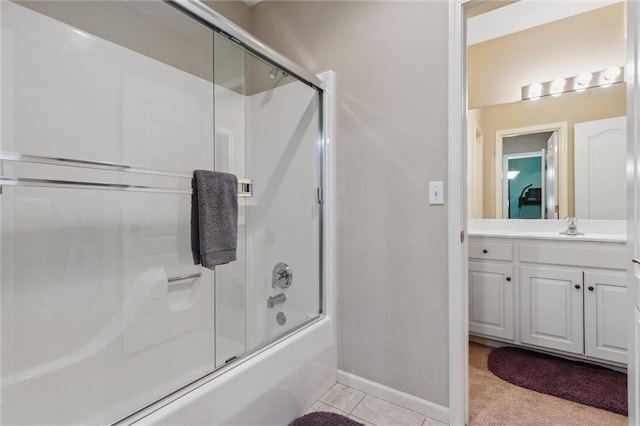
x=428 y=408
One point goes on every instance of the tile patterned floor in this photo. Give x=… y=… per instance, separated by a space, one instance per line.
x=368 y=409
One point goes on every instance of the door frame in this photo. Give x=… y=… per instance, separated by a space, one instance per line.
x=457 y=217
x=457 y=213
x=632 y=79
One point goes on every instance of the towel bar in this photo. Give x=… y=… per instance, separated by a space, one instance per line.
x=184 y=277
x=245 y=185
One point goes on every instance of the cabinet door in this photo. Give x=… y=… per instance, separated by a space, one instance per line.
x=606 y=315
x=491 y=300
x=551 y=308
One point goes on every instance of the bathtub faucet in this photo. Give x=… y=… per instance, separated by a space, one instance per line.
x=276 y=300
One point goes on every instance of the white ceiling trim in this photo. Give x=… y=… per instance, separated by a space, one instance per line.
x=251 y=2
x=526 y=14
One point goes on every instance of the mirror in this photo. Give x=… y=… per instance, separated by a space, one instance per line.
x=557 y=156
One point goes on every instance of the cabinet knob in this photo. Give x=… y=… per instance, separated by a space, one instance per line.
x=577 y=286
x=590 y=288
x=485 y=251
x=508 y=278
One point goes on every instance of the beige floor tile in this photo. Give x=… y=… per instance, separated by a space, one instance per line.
x=342 y=397
x=433 y=422
x=359 y=420
x=321 y=406
x=383 y=413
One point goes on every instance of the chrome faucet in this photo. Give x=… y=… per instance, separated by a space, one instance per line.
x=572 y=227
x=276 y=300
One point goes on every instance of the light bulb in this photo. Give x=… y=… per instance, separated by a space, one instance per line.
x=557 y=86
x=611 y=73
x=608 y=77
x=534 y=92
x=582 y=80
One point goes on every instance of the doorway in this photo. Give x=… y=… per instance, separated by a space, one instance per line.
x=523 y=185
x=458 y=216
x=549 y=142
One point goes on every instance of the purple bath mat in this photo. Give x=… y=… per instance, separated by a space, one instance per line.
x=324 y=418
x=576 y=381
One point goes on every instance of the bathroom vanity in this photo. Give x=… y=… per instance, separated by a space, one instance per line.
x=538 y=288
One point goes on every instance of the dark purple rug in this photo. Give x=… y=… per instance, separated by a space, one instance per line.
x=576 y=381
x=324 y=418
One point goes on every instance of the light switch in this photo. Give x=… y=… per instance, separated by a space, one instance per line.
x=436 y=193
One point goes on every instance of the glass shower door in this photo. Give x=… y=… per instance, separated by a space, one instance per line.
x=103 y=310
x=284 y=215
x=268 y=130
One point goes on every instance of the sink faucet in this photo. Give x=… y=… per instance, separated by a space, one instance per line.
x=572 y=227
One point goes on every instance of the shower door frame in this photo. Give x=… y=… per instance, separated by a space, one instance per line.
x=209 y=17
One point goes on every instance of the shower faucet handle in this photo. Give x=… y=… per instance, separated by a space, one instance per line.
x=282 y=276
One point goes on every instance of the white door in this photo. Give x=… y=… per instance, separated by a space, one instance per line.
x=491 y=299
x=600 y=152
x=605 y=318
x=551 y=307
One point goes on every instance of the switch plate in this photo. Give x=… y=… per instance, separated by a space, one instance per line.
x=436 y=193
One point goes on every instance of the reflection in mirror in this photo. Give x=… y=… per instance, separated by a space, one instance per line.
x=545 y=195
x=528 y=191
x=578 y=172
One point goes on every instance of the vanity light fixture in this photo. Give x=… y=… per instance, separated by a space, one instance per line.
x=577 y=83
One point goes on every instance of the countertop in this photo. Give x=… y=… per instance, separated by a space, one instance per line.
x=594 y=231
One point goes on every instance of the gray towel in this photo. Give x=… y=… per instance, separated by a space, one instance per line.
x=214 y=218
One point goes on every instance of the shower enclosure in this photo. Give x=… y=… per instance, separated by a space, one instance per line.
x=107 y=108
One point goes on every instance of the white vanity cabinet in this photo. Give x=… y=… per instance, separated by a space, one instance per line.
x=491 y=297
x=491 y=289
x=551 y=308
x=605 y=316
x=562 y=295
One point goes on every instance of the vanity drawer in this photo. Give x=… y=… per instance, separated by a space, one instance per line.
x=595 y=255
x=490 y=250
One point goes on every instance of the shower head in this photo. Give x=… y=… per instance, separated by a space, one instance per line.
x=273 y=73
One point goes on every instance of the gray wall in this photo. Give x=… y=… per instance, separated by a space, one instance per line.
x=234 y=10
x=391 y=64
x=525 y=143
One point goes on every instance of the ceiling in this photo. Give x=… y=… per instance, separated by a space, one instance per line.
x=525 y=14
